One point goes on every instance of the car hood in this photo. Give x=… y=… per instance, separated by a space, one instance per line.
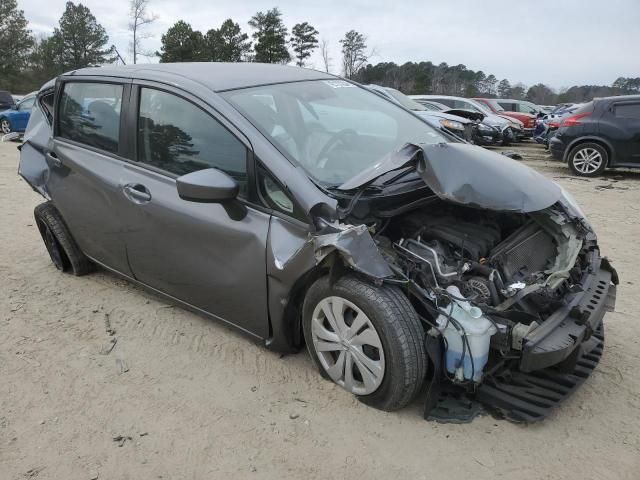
x=442 y=115
x=469 y=114
x=469 y=175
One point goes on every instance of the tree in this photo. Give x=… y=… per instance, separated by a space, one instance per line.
x=227 y=44
x=488 y=87
x=324 y=50
x=270 y=36
x=15 y=43
x=518 y=91
x=540 y=94
x=504 y=88
x=83 y=39
x=139 y=19
x=354 y=57
x=304 y=39
x=182 y=44
x=46 y=60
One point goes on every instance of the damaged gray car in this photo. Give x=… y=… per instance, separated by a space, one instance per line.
x=304 y=209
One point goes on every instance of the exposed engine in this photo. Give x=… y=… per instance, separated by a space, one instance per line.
x=505 y=271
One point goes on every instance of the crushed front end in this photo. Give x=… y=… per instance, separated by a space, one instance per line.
x=505 y=273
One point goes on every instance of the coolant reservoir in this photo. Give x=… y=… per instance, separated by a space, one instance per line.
x=477 y=329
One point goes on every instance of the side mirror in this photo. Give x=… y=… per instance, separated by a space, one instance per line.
x=207 y=186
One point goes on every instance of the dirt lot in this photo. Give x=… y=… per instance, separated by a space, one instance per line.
x=191 y=399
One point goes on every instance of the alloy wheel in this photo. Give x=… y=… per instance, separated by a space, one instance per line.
x=587 y=160
x=5 y=127
x=347 y=345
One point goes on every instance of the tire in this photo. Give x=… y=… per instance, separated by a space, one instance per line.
x=388 y=314
x=588 y=159
x=61 y=246
x=508 y=137
x=5 y=126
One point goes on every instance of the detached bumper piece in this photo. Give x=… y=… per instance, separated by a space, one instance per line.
x=530 y=397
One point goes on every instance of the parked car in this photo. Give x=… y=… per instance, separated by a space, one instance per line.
x=528 y=119
x=6 y=101
x=483 y=134
x=520 y=106
x=461 y=127
x=302 y=208
x=15 y=119
x=602 y=133
x=509 y=127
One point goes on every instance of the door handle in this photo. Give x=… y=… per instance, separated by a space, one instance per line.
x=53 y=158
x=137 y=193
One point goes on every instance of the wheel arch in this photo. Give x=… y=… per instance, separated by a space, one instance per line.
x=591 y=139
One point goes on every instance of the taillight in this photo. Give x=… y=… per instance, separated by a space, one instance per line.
x=554 y=124
x=574 y=120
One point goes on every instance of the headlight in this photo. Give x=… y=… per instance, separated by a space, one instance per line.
x=486 y=128
x=453 y=125
x=571 y=203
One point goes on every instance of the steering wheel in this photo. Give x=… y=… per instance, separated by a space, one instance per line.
x=336 y=138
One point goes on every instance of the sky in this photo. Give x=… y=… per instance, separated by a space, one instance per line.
x=556 y=42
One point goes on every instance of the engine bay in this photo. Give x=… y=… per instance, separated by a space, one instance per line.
x=509 y=271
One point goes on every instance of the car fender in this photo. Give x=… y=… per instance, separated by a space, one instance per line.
x=592 y=138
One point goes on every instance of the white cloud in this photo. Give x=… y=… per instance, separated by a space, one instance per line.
x=558 y=43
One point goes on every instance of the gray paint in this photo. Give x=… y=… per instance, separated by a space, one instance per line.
x=470 y=176
x=237 y=260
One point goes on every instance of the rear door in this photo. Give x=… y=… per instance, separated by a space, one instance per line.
x=625 y=118
x=85 y=165
x=210 y=255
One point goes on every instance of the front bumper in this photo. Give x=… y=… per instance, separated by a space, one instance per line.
x=486 y=137
x=565 y=336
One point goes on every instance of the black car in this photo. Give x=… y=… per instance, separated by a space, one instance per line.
x=6 y=101
x=602 y=133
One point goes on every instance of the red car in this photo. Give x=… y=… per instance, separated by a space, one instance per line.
x=527 y=119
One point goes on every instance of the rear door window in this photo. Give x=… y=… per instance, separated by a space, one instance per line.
x=90 y=114
x=178 y=137
x=627 y=110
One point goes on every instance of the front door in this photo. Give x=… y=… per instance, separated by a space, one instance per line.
x=211 y=256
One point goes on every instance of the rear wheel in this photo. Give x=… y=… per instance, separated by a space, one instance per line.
x=366 y=339
x=588 y=159
x=61 y=246
x=5 y=126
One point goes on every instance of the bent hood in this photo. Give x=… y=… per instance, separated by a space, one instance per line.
x=469 y=175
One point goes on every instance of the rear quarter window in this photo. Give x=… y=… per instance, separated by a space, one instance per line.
x=89 y=113
x=627 y=110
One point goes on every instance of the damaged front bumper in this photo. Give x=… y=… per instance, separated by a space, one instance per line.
x=565 y=335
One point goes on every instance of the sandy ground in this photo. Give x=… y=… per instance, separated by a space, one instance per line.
x=191 y=399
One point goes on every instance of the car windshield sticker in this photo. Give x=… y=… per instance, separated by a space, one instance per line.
x=338 y=84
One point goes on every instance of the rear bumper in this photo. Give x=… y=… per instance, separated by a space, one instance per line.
x=565 y=336
x=556 y=147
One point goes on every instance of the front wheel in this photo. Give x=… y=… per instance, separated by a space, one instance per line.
x=5 y=126
x=588 y=159
x=366 y=339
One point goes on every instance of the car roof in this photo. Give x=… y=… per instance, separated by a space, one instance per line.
x=217 y=76
x=618 y=98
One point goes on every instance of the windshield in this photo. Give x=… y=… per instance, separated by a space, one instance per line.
x=405 y=101
x=478 y=107
x=496 y=106
x=331 y=128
